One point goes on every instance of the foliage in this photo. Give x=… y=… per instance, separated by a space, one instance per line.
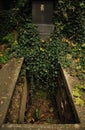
x=7 y=22
x=66 y=44
x=23 y=8
x=76 y=57
x=62 y=48
x=11 y=19
x=77 y=93
x=79 y=56
x=20 y=3
x=69 y=20
x=69 y=17
x=9 y=38
x=4 y=57
x=41 y=59
x=80 y=87
x=9 y=43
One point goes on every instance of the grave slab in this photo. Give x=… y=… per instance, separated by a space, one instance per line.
x=8 y=78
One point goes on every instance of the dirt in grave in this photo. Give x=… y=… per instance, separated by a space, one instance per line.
x=41 y=110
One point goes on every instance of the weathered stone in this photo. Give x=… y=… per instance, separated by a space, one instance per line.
x=42 y=127
x=8 y=78
x=45 y=30
x=23 y=102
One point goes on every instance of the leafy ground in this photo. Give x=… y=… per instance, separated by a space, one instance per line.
x=41 y=111
x=69 y=19
x=75 y=58
x=38 y=58
x=72 y=61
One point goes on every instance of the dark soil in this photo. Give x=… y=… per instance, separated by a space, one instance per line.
x=41 y=110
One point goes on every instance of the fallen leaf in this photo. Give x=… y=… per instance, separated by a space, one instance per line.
x=79 y=101
x=6 y=83
x=2 y=102
x=4 y=97
x=0 y=115
x=42 y=116
x=9 y=77
x=51 y=109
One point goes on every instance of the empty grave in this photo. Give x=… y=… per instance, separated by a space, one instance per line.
x=42 y=108
x=61 y=105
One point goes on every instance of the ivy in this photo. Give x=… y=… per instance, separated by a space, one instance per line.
x=42 y=59
x=70 y=15
x=77 y=93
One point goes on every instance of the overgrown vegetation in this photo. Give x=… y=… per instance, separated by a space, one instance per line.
x=7 y=23
x=66 y=45
x=69 y=17
x=41 y=59
x=12 y=19
x=76 y=58
x=77 y=93
x=69 y=20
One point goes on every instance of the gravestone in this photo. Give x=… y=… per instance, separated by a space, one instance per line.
x=42 y=14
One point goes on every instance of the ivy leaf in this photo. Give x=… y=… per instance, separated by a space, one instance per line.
x=79 y=86
x=36 y=114
x=82 y=4
x=51 y=109
x=76 y=93
x=79 y=101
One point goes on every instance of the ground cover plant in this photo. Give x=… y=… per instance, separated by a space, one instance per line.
x=69 y=20
x=77 y=93
x=66 y=45
x=41 y=59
